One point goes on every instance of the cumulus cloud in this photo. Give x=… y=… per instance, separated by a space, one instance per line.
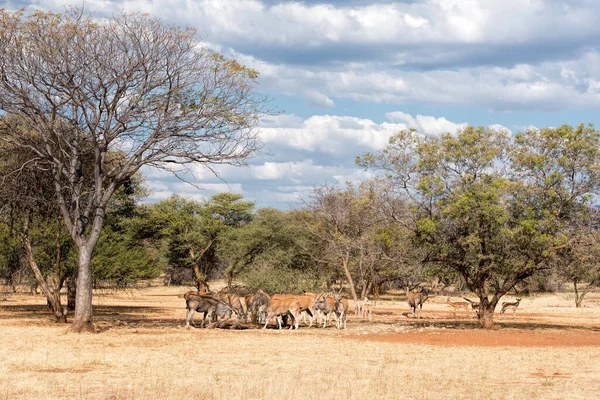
x=328 y=143
x=425 y=123
x=304 y=32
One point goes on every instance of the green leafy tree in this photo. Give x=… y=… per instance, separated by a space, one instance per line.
x=189 y=231
x=490 y=207
x=274 y=252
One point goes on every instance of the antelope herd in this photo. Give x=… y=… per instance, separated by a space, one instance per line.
x=261 y=308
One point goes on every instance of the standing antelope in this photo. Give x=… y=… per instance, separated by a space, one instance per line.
x=278 y=307
x=359 y=307
x=341 y=310
x=325 y=304
x=368 y=308
x=474 y=305
x=416 y=298
x=512 y=305
x=457 y=304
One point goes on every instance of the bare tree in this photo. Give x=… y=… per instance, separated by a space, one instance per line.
x=128 y=83
x=344 y=223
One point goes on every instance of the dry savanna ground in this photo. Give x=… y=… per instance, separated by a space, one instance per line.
x=143 y=351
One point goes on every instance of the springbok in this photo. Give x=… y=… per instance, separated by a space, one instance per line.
x=458 y=304
x=511 y=305
x=474 y=305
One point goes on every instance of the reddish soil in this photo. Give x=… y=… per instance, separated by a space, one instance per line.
x=499 y=338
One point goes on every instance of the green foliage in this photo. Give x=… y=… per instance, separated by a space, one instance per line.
x=275 y=246
x=121 y=260
x=490 y=207
x=188 y=232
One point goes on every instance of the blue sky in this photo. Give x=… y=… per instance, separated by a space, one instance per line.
x=348 y=74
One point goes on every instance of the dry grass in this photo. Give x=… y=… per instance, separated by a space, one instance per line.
x=144 y=352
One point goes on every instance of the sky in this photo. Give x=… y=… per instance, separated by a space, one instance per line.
x=346 y=75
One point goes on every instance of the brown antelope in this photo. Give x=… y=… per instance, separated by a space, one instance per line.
x=235 y=302
x=511 y=305
x=325 y=304
x=458 y=304
x=278 y=307
x=416 y=298
x=306 y=303
x=474 y=305
x=341 y=310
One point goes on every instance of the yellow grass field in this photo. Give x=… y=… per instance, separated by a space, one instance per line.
x=143 y=351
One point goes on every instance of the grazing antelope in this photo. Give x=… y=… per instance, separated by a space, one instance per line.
x=257 y=306
x=205 y=304
x=416 y=298
x=458 y=304
x=235 y=302
x=511 y=305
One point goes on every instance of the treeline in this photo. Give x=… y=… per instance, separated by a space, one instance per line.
x=479 y=209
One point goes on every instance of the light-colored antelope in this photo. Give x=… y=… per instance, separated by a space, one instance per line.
x=368 y=308
x=513 y=305
x=458 y=304
x=359 y=307
x=364 y=308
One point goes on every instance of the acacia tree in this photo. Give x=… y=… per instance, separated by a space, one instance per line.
x=189 y=231
x=128 y=83
x=488 y=207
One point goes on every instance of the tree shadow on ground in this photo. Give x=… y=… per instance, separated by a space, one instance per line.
x=474 y=324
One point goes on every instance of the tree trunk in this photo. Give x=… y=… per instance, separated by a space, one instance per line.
x=486 y=316
x=71 y=293
x=579 y=296
x=51 y=292
x=348 y=276
x=82 y=320
x=200 y=283
x=578 y=299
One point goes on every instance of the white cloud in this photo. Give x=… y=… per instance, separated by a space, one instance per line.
x=331 y=134
x=425 y=124
x=316 y=99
